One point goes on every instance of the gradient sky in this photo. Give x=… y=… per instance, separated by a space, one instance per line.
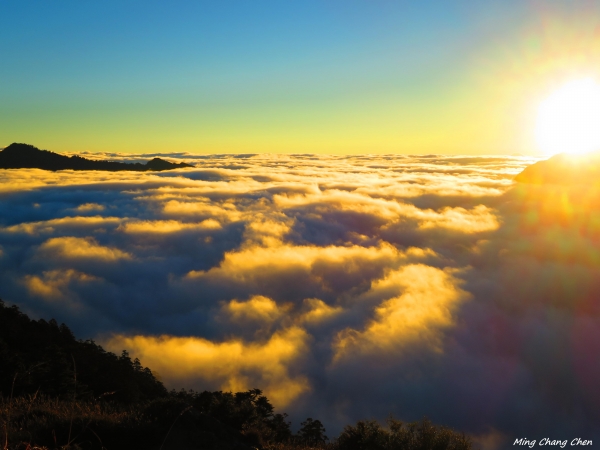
x=315 y=77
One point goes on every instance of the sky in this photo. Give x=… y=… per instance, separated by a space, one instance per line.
x=346 y=287
x=325 y=77
x=351 y=239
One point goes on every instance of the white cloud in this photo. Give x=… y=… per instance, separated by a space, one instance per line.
x=352 y=286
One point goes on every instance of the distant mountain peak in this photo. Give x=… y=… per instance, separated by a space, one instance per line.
x=563 y=169
x=21 y=156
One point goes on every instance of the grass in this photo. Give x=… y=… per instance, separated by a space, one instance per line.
x=44 y=423
x=49 y=423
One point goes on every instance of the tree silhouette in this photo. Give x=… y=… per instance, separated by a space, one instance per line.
x=41 y=354
x=312 y=432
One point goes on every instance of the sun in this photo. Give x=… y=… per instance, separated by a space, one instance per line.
x=569 y=119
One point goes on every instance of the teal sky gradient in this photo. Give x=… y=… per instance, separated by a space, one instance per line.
x=245 y=76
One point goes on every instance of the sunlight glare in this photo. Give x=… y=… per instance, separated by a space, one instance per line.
x=569 y=119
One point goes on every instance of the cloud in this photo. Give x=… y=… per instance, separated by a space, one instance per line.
x=167 y=226
x=90 y=207
x=346 y=287
x=292 y=273
x=256 y=308
x=54 y=285
x=230 y=365
x=63 y=224
x=422 y=301
x=318 y=311
x=197 y=207
x=75 y=248
x=478 y=219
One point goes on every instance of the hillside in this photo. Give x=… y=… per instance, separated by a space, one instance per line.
x=60 y=392
x=22 y=156
x=57 y=392
x=563 y=170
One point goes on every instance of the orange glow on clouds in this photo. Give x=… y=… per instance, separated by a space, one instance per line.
x=230 y=365
x=75 y=248
x=419 y=305
x=301 y=275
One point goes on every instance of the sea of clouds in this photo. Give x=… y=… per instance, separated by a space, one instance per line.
x=345 y=287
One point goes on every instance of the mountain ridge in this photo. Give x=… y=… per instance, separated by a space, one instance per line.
x=26 y=156
x=563 y=169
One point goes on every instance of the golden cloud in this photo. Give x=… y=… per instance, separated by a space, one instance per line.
x=258 y=308
x=476 y=220
x=167 y=226
x=420 y=302
x=18 y=180
x=257 y=263
x=49 y=226
x=267 y=230
x=90 y=207
x=81 y=248
x=480 y=218
x=231 y=365
x=318 y=311
x=226 y=212
x=54 y=285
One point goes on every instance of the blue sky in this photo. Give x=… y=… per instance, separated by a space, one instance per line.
x=256 y=76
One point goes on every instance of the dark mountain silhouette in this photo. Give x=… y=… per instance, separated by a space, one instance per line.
x=42 y=354
x=56 y=390
x=21 y=156
x=564 y=169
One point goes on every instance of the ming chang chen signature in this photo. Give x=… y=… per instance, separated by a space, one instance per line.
x=551 y=442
